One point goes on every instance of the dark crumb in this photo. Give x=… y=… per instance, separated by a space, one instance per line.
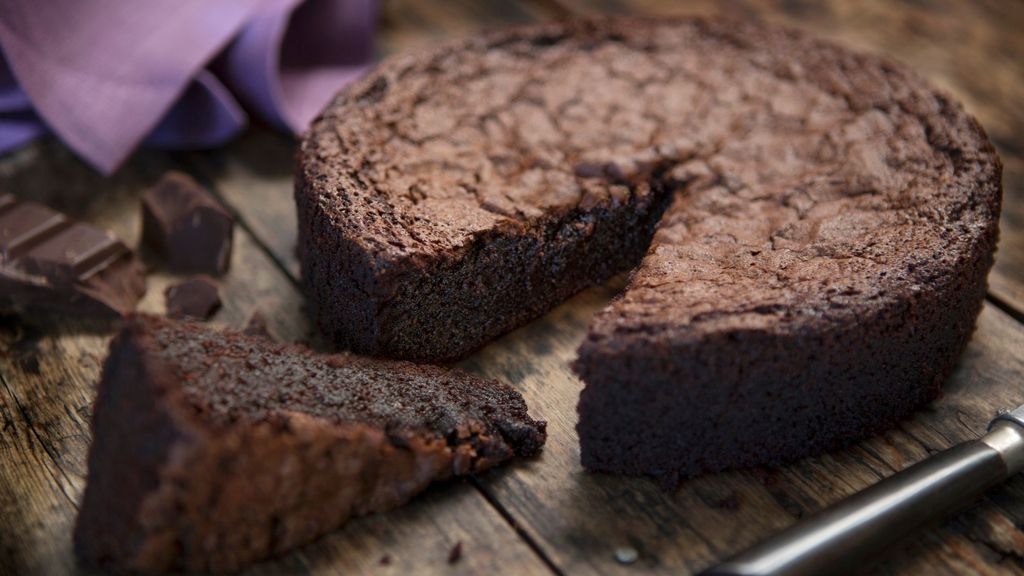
x=455 y=554
x=385 y=560
x=257 y=326
x=730 y=502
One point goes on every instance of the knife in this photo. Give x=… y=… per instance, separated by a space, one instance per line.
x=847 y=535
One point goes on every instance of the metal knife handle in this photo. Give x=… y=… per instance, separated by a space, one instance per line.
x=846 y=535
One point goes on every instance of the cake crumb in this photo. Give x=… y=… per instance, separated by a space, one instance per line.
x=455 y=554
x=257 y=326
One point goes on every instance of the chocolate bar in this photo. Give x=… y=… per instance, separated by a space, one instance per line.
x=51 y=263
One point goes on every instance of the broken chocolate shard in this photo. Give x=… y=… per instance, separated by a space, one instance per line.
x=51 y=263
x=186 y=227
x=196 y=298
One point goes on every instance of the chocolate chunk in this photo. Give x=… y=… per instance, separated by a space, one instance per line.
x=186 y=227
x=195 y=298
x=49 y=262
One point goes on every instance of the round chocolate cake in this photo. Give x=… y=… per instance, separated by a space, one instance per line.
x=809 y=228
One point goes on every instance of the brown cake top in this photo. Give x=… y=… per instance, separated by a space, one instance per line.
x=229 y=377
x=806 y=177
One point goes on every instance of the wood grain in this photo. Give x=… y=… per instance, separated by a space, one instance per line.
x=33 y=502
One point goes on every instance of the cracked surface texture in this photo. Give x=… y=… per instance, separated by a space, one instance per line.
x=822 y=221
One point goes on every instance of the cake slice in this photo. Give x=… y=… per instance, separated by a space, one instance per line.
x=212 y=449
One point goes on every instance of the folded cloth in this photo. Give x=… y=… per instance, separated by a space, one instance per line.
x=107 y=75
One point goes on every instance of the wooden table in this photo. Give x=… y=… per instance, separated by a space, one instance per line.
x=547 y=515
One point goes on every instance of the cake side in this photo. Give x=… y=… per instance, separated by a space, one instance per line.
x=673 y=406
x=198 y=465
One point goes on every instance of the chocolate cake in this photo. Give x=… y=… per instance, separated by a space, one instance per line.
x=823 y=222
x=212 y=450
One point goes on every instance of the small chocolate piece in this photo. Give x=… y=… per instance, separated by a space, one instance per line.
x=186 y=226
x=212 y=450
x=196 y=297
x=455 y=554
x=49 y=262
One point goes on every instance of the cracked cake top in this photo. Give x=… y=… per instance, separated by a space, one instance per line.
x=805 y=178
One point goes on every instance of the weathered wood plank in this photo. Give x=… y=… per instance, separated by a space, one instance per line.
x=1006 y=281
x=253 y=177
x=412 y=24
x=32 y=499
x=49 y=378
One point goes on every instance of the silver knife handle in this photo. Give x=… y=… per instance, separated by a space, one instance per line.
x=846 y=535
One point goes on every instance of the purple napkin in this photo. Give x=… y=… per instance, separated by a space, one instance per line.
x=108 y=75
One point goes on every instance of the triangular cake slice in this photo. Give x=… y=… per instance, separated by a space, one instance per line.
x=215 y=449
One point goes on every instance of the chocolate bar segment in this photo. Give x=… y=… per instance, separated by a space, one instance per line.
x=187 y=227
x=51 y=263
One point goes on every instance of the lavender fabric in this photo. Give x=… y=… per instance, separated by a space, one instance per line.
x=108 y=75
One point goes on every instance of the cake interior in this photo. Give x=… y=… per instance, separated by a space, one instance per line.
x=248 y=379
